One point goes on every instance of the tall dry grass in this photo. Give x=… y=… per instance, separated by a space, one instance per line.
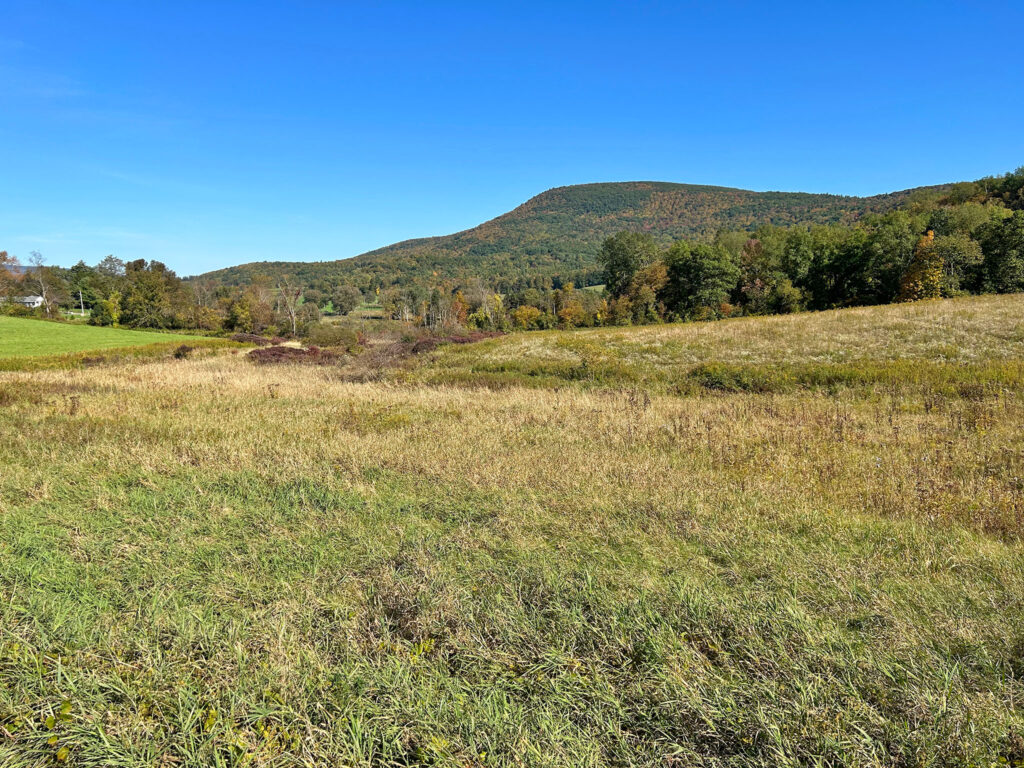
x=205 y=560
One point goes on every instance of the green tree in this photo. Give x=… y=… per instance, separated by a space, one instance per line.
x=346 y=298
x=240 y=314
x=798 y=255
x=80 y=281
x=647 y=284
x=961 y=259
x=1002 y=244
x=106 y=311
x=9 y=274
x=890 y=249
x=154 y=297
x=831 y=247
x=622 y=256
x=700 y=279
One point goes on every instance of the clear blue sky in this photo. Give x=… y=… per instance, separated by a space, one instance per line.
x=206 y=134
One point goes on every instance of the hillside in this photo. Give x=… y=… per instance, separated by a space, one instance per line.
x=560 y=231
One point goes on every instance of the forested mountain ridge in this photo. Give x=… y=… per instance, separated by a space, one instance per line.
x=559 y=233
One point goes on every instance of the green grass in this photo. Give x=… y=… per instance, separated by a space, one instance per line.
x=207 y=562
x=28 y=343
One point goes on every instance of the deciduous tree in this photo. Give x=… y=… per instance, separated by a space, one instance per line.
x=622 y=256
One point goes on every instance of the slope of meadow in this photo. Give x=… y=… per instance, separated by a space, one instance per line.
x=700 y=548
x=952 y=338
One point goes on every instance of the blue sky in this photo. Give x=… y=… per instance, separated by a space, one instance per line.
x=211 y=133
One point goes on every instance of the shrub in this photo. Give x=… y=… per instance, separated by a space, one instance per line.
x=424 y=345
x=739 y=378
x=333 y=337
x=314 y=355
x=252 y=338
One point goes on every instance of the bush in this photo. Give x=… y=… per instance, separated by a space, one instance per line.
x=252 y=338
x=314 y=355
x=724 y=377
x=333 y=337
x=424 y=345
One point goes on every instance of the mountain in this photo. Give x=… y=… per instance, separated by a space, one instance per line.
x=559 y=232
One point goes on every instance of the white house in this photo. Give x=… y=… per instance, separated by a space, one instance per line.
x=32 y=302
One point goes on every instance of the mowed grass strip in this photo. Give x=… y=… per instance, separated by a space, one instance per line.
x=210 y=562
x=27 y=344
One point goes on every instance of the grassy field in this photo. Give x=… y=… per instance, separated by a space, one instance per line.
x=779 y=542
x=29 y=343
x=851 y=346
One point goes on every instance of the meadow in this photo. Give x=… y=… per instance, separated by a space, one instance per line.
x=788 y=541
x=31 y=343
x=859 y=345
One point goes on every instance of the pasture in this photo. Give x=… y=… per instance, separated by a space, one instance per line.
x=28 y=343
x=765 y=542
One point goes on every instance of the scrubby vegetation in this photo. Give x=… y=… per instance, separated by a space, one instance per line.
x=292 y=354
x=774 y=541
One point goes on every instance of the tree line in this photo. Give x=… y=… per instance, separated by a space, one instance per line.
x=964 y=239
x=147 y=294
x=968 y=239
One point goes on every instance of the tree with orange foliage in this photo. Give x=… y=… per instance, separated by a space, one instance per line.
x=923 y=276
x=460 y=308
x=572 y=313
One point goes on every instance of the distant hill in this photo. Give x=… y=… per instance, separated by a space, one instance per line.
x=559 y=232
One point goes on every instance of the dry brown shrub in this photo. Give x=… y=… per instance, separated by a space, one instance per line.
x=279 y=354
x=252 y=338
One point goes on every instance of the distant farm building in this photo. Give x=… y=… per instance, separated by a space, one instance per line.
x=32 y=302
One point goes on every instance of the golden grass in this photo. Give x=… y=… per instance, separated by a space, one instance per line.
x=970 y=329
x=914 y=455
x=276 y=566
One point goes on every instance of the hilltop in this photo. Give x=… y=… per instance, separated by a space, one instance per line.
x=559 y=232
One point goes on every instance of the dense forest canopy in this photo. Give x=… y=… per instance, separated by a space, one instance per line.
x=558 y=234
x=655 y=252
